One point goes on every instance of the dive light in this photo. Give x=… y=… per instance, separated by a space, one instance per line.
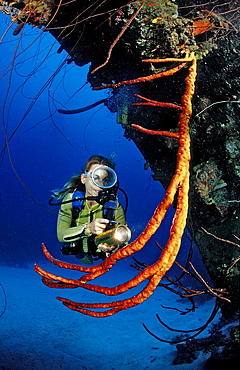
x=117 y=235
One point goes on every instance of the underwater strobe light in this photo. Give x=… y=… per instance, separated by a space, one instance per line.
x=117 y=235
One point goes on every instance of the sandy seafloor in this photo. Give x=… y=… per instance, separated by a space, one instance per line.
x=38 y=332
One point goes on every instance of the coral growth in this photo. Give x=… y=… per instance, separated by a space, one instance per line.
x=222 y=346
x=210 y=185
x=37 y=13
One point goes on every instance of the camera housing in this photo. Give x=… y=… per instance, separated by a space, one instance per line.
x=115 y=235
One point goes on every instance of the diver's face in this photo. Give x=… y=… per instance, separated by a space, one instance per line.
x=91 y=188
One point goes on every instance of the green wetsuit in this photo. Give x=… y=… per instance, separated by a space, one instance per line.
x=73 y=231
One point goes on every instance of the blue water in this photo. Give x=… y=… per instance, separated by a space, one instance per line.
x=47 y=148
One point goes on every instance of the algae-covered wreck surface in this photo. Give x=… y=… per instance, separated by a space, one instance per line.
x=115 y=36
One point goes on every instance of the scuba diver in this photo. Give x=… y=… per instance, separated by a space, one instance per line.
x=91 y=221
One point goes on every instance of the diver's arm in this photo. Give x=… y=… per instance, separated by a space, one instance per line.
x=71 y=234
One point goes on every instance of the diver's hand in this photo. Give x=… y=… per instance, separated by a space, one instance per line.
x=97 y=226
x=106 y=247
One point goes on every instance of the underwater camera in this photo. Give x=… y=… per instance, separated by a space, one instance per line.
x=114 y=235
x=106 y=195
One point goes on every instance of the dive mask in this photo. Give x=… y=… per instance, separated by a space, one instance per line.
x=103 y=177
